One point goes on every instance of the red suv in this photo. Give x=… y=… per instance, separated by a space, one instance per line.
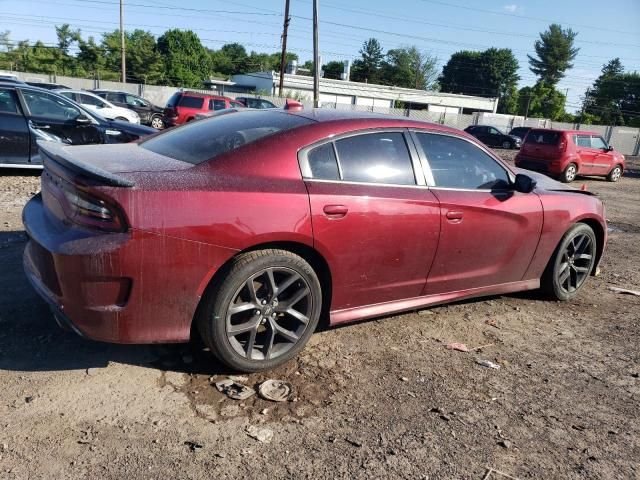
x=568 y=153
x=182 y=107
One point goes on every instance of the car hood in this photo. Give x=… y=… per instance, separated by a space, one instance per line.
x=549 y=184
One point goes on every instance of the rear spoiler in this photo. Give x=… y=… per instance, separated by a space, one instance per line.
x=63 y=155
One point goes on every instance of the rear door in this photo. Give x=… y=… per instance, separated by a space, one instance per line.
x=14 y=130
x=587 y=154
x=489 y=232
x=373 y=217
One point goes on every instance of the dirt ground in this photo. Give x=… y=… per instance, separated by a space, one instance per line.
x=378 y=399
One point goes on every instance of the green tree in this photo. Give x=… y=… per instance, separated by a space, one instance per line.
x=493 y=72
x=541 y=101
x=91 y=58
x=187 y=62
x=231 y=59
x=333 y=70
x=66 y=37
x=615 y=96
x=409 y=67
x=555 y=52
x=144 y=61
x=367 y=68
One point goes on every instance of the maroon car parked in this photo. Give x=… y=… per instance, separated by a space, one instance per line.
x=252 y=226
x=183 y=107
x=569 y=153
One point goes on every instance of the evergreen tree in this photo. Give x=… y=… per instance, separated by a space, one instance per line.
x=555 y=52
x=367 y=69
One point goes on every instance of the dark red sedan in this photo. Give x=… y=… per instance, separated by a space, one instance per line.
x=250 y=227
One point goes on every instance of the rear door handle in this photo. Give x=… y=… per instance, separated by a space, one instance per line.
x=454 y=215
x=335 y=211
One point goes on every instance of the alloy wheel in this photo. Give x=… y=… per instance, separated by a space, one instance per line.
x=576 y=263
x=570 y=173
x=268 y=314
x=616 y=174
x=157 y=123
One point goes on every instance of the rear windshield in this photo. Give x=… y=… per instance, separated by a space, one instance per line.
x=191 y=102
x=543 y=137
x=175 y=98
x=205 y=139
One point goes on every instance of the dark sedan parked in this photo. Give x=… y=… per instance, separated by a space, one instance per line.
x=519 y=132
x=29 y=114
x=493 y=137
x=149 y=113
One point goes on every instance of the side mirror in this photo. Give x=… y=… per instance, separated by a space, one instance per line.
x=609 y=148
x=524 y=183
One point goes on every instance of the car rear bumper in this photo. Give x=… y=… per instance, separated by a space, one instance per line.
x=539 y=165
x=116 y=287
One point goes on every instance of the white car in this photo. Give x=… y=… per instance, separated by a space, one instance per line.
x=101 y=106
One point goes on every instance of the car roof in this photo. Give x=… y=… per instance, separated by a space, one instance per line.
x=573 y=132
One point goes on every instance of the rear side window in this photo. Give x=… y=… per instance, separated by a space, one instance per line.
x=115 y=97
x=543 y=137
x=217 y=105
x=174 y=100
x=191 y=102
x=322 y=164
x=456 y=163
x=89 y=100
x=205 y=139
x=376 y=158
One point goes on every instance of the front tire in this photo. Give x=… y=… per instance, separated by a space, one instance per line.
x=569 y=174
x=615 y=174
x=262 y=311
x=157 y=123
x=571 y=263
x=507 y=145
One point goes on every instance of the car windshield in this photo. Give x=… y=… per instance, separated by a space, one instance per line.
x=205 y=139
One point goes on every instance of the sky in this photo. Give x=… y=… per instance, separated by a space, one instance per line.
x=605 y=29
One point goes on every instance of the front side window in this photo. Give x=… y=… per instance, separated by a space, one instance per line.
x=494 y=131
x=43 y=104
x=134 y=101
x=583 y=141
x=456 y=163
x=599 y=143
x=89 y=100
x=376 y=158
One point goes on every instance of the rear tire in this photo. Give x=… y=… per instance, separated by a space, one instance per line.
x=569 y=174
x=248 y=319
x=571 y=263
x=615 y=174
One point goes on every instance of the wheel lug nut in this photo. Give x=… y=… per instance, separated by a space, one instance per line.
x=273 y=314
x=257 y=312
x=263 y=302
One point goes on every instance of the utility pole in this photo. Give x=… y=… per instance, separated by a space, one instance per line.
x=283 y=59
x=316 y=58
x=123 y=63
x=526 y=113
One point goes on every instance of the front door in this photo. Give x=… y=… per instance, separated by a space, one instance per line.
x=489 y=232
x=53 y=117
x=14 y=130
x=587 y=154
x=373 y=218
x=603 y=160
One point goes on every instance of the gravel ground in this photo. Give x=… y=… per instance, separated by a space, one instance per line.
x=376 y=399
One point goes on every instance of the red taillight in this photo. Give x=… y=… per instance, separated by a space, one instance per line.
x=562 y=144
x=84 y=206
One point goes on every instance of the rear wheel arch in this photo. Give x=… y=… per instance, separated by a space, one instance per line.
x=309 y=254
